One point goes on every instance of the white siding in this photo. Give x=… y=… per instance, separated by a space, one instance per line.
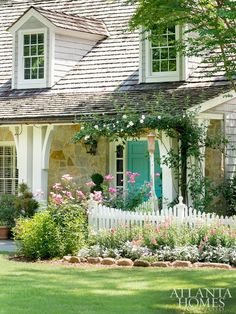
x=230 y=131
x=68 y=52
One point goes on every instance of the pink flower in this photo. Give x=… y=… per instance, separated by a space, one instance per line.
x=154 y=241
x=112 y=190
x=80 y=195
x=66 y=177
x=57 y=186
x=113 y=230
x=69 y=195
x=90 y=184
x=97 y=196
x=57 y=198
x=108 y=177
x=213 y=231
x=157 y=174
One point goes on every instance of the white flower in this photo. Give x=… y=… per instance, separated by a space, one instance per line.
x=121 y=130
x=117 y=122
x=143 y=117
x=86 y=137
x=141 y=121
x=130 y=123
x=159 y=117
x=124 y=116
x=82 y=128
x=96 y=127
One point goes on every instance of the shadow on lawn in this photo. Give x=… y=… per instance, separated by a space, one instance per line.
x=43 y=288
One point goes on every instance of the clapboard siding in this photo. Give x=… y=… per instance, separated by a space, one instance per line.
x=230 y=132
x=68 y=52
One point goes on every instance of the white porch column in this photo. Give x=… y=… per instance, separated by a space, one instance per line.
x=33 y=147
x=168 y=190
x=23 y=136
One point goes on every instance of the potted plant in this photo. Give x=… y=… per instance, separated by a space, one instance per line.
x=7 y=215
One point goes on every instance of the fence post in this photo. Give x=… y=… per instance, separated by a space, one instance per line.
x=181 y=209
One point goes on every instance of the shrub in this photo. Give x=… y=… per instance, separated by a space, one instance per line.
x=97 y=179
x=8 y=212
x=54 y=232
x=71 y=221
x=25 y=204
x=38 y=237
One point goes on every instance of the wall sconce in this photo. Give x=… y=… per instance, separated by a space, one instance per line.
x=151 y=142
x=91 y=147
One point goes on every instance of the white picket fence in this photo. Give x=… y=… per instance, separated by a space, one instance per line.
x=102 y=217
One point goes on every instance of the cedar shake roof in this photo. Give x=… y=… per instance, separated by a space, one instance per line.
x=107 y=76
x=71 y=21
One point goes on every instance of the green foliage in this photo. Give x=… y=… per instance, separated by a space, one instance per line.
x=8 y=212
x=24 y=202
x=38 y=237
x=212 y=22
x=57 y=231
x=97 y=179
x=182 y=127
x=229 y=193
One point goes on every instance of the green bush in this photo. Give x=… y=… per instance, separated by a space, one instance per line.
x=25 y=204
x=97 y=179
x=57 y=231
x=38 y=237
x=8 y=212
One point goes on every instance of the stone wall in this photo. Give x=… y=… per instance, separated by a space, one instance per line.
x=6 y=135
x=66 y=157
x=214 y=165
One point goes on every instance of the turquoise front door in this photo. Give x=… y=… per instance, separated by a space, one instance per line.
x=138 y=161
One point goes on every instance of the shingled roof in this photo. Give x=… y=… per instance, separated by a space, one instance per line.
x=71 y=21
x=105 y=76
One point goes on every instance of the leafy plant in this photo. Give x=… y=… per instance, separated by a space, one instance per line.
x=229 y=193
x=25 y=204
x=97 y=179
x=8 y=212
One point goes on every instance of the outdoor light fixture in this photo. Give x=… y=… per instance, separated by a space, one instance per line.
x=91 y=147
x=151 y=142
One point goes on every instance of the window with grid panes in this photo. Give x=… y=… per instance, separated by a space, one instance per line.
x=119 y=166
x=8 y=170
x=33 y=56
x=163 y=52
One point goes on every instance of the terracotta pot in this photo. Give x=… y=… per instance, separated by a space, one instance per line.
x=4 y=233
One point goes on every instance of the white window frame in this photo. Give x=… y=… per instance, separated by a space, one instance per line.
x=15 y=178
x=31 y=83
x=168 y=76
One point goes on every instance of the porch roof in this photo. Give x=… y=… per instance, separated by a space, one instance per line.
x=48 y=107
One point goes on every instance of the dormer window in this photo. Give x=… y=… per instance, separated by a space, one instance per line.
x=48 y=44
x=160 y=62
x=34 y=56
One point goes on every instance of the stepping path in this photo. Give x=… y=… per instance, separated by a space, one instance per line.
x=7 y=246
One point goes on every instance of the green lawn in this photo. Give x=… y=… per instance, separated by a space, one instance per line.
x=30 y=288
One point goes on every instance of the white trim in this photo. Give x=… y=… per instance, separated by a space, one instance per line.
x=13 y=60
x=26 y=16
x=209 y=104
x=151 y=77
x=39 y=83
x=51 y=58
x=211 y=116
x=141 y=55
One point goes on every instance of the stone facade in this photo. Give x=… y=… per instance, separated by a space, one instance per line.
x=67 y=157
x=214 y=162
x=6 y=135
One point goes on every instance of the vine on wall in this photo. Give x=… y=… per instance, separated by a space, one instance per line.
x=185 y=159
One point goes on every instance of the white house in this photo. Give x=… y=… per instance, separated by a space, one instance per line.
x=61 y=59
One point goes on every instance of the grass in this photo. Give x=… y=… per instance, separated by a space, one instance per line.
x=36 y=288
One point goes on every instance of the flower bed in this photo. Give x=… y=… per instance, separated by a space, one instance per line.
x=167 y=242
